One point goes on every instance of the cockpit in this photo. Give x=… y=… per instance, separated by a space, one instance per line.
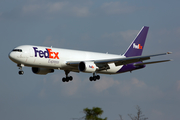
x=17 y=50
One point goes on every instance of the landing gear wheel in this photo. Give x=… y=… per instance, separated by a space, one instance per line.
x=91 y=78
x=67 y=79
x=97 y=77
x=70 y=78
x=64 y=79
x=94 y=78
x=21 y=72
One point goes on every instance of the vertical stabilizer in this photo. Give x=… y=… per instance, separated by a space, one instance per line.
x=136 y=47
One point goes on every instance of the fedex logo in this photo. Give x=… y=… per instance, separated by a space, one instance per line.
x=47 y=54
x=91 y=66
x=137 y=46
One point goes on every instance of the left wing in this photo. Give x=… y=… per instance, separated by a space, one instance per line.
x=120 y=61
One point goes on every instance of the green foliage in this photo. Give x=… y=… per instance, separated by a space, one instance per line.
x=93 y=114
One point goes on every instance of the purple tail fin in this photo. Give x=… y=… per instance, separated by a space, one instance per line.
x=136 y=47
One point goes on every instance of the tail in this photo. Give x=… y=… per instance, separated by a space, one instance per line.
x=136 y=47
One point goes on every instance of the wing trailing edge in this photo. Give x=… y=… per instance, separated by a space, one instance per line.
x=145 y=63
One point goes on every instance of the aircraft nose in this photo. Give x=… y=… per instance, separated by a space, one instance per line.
x=11 y=56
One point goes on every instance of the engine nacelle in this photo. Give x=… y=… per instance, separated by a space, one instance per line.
x=42 y=71
x=88 y=67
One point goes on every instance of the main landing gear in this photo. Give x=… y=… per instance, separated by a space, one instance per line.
x=21 y=72
x=67 y=78
x=94 y=77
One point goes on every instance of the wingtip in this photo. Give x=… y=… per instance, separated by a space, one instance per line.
x=169 y=52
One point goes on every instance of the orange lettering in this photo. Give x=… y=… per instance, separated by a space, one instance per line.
x=140 y=47
x=56 y=55
x=50 y=56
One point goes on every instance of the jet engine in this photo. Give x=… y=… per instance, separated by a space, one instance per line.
x=88 y=67
x=42 y=71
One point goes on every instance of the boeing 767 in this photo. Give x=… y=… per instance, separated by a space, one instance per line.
x=44 y=60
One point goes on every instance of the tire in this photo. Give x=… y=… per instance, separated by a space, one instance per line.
x=70 y=78
x=91 y=78
x=94 y=78
x=21 y=72
x=63 y=79
x=97 y=77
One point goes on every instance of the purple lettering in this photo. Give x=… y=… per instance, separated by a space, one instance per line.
x=41 y=53
x=35 y=51
x=46 y=54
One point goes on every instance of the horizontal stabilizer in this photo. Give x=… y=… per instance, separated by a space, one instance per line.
x=151 y=62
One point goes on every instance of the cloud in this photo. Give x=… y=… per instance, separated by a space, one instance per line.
x=42 y=93
x=137 y=83
x=80 y=11
x=49 y=41
x=31 y=8
x=132 y=86
x=72 y=88
x=125 y=35
x=138 y=90
x=53 y=9
x=129 y=35
x=116 y=8
x=178 y=31
x=104 y=84
x=47 y=10
x=157 y=114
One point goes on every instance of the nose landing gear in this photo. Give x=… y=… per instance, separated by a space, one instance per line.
x=21 y=72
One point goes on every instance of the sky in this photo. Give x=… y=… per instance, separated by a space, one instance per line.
x=98 y=26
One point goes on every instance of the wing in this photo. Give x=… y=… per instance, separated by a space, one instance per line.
x=103 y=64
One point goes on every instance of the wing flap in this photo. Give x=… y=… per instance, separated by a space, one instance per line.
x=145 y=63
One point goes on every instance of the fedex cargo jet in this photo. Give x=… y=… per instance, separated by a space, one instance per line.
x=44 y=60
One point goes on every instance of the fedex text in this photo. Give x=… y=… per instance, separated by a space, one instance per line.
x=48 y=53
x=137 y=46
x=91 y=66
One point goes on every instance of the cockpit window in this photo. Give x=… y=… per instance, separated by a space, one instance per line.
x=17 y=50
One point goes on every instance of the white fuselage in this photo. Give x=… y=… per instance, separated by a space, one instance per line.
x=56 y=58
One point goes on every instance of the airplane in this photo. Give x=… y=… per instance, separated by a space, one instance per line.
x=44 y=60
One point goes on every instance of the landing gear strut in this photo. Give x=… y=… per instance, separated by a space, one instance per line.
x=21 y=72
x=67 y=78
x=94 y=77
